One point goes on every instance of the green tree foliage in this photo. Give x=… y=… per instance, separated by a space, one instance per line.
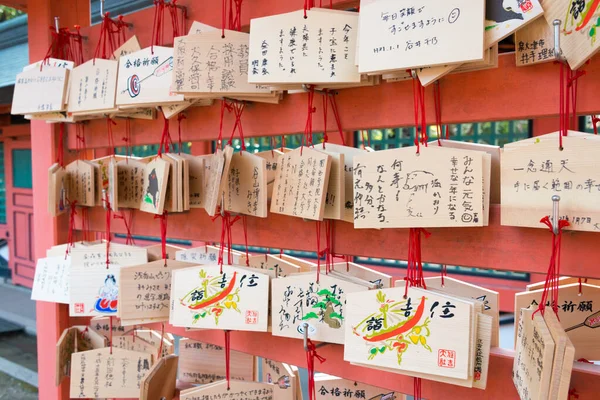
x=7 y=13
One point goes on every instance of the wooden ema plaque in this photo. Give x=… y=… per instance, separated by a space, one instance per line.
x=301 y=183
x=425 y=333
x=72 y=340
x=489 y=298
x=534 y=355
x=507 y=16
x=130 y=182
x=320 y=305
x=269 y=262
x=398 y=188
x=578 y=29
x=318 y=49
x=237 y=390
x=285 y=382
x=51 y=280
x=100 y=374
x=330 y=387
x=145 y=290
x=49 y=86
x=246 y=186
x=58 y=185
x=103 y=326
x=199 y=27
x=364 y=273
x=272 y=163
x=81 y=183
x=534 y=171
x=578 y=314
x=206 y=255
x=216 y=168
x=563 y=280
x=155 y=252
x=226 y=70
x=399 y=35
x=130 y=46
x=564 y=356
x=204 y=363
x=93 y=86
x=196 y=181
x=156 y=177
x=145 y=78
x=94 y=287
x=160 y=382
x=237 y=299
x=534 y=44
x=106 y=177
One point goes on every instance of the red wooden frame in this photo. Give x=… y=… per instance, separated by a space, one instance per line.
x=499 y=94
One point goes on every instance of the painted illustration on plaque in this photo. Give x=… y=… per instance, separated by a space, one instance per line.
x=134 y=83
x=108 y=296
x=583 y=16
x=396 y=326
x=215 y=295
x=153 y=190
x=324 y=306
x=283 y=382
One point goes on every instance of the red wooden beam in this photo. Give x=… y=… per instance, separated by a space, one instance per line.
x=497 y=247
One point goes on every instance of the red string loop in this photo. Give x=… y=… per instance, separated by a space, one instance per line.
x=311 y=354
x=109 y=129
x=163 y=234
x=60 y=152
x=441 y=129
x=308 y=129
x=109 y=217
x=128 y=221
x=338 y=121
x=228 y=357
x=180 y=117
x=165 y=138
x=245 y=224
x=70 y=239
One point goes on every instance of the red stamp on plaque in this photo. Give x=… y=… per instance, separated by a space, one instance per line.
x=79 y=308
x=525 y=5
x=251 y=317
x=446 y=358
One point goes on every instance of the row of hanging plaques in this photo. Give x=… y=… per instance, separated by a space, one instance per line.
x=447 y=185
x=442 y=333
x=328 y=48
x=82 y=351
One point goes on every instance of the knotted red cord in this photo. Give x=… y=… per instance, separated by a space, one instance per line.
x=414 y=278
x=80 y=144
x=226 y=236
x=77 y=45
x=109 y=217
x=308 y=4
x=308 y=128
x=245 y=224
x=127 y=138
x=338 y=121
x=325 y=107
x=223 y=14
x=329 y=244
x=163 y=234
x=311 y=354
x=157 y=26
x=238 y=110
x=551 y=283
x=227 y=357
x=111 y=142
x=106 y=43
x=70 y=239
x=128 y=221
x=320 y=252
x=176 y=30
x=60 y=47
x=441 y=129
x=235 y=18
x=572 y=80
x=165 y=138
x=180 y=117
x=60 y=152
x=443 y=273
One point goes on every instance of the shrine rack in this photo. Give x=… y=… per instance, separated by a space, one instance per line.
x=503 y=93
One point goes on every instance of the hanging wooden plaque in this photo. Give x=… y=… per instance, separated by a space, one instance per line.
x=206 y=255
x=81 y=183
x=145 y=290
x=160 y=382
x=399 y=188
x=427 y=332
x=196 y=166
x=199 y=27
x=49 y=85
x=106 y=177
x=51 y=280
x=563 y=280
x=130 y=46
x=272 y=163
x=65 y=347
x=205 y=363
x=102 y=374
x=334 y=206
x=536 y=170
x=156 y=177
x=490 y=298
x=298 y=300
x=578 y=314
x=301 y=183
x=534 y=44
x=534 y=354
x=216 y=168
x=564 y=356
x=145 y=77
x=578 y=29
x=399 y=35
x=104 y=325
x=130 y=182
x=364 y=273
x=93 y=284
x=93 y=86
x=317 y=49
x=58 y=185
x=507 y=16
x=236 y=299
x=234 y=390
x=246 y=186
x=285 y=382
x=305 y=266
x=213 y=64
x=132 y=343
x=270 y=262
x=330 y=387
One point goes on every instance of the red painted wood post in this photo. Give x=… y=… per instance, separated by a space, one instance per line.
x=51 y=318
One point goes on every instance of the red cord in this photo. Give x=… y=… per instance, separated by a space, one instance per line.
x=311 y=354
x=338 y=121
x=325 y=107
x=70 y=239
x=111 y=142
x=108 y=207
x=163 y=234
x=245 y=224
x=438 y=113
x=180 y=117
x=60 y=152
x=228 y=357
